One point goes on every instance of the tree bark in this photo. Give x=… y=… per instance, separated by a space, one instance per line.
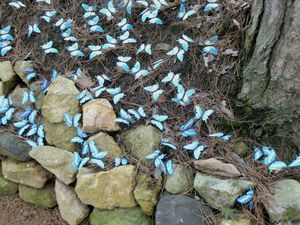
x=271 y=76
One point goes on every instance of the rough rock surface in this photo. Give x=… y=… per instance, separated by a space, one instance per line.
x=240 y=148
x=28 y=173
x=13 y=147
x=7 y=187
x=56 y=161
x=107 y=143
x=109 y=189
x=70 y=207
x=146 y=193
x=8 y=77
x=220 y=193
x=179 y=210
x=216 y=167
x=180 y=181
x=60 y=99
x=131 y=216
x=98 y=114
x=141 y=141
x=42 y=197
x=17 y=96
x=35 y=87
x=285 y=204
x=19 y=69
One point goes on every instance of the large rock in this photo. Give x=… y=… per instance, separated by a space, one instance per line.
x=107 y=143
x=39 y=95
x=146 y=193
x=17 y=96
x=7 y=187
x=70 y=207
x=180 y=209
x=220 y=193
x=216 y=167
x=28 y=173
x=19 y=68
x=285 y=204
x=60 y=99
x=8 y=77
x=107 y=190
x=180 y=181
x=57 y=161
x=132 y=216
x=98 y=114
x=141 y=141
x=13 y=147
x=42 y=197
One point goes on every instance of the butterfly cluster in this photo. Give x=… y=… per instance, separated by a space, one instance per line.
x=6 y=111
x=157 y=156
x=5 y=41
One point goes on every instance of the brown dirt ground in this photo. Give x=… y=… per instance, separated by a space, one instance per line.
x=14 y=211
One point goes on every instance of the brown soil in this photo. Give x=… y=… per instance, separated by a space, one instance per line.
x=14 y=211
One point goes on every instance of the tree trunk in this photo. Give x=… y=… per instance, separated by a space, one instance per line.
x=271 y=76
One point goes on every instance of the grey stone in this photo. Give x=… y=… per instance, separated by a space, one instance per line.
x=7 y=187
x=8 y=77
x=19 y=68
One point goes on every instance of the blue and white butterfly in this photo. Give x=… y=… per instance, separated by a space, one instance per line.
x=295 y=163
x=187 y=129
x=48 y=15
x=84 y=96
x=25 y=113
x=142 y=2
x=67 y=35
x=201 y=114
x=80 y=136
x=247 y=198
x=73 y=49
x=33 y=28
x=111 y=42
x=155 y=91
x=138 y=72
x=173 y=78
x=101 y=88
x=211 y=5
x=196 y=148
x=29 y=73
x=63 y=25
x=32 y=117
x=183 y=14
x=77 y=74
x=28 y=96
x=46 y=1
x=270 y=155
x=72 y=121
x=122 y=63
x=184 y=41
x=4 y=34
x=208 y=43
x=221 y=135
x=166 y=142
x=152 y=16
x=276 y=166
x=109 y=11
x=7 y=116
x=32 y=131
x=157 y=156
x=117 y=94
x=17 y=4
x=159 y=3
x=145 y=48
x=125 y=39
x=79 y=162
x=5 y=48
x=94 y=27
x=126 y=4
x=183 y=97
x=178 y=52
x=158 y=120
x=120 y=161
x=89 y=11
x=124 y=25
x=96 y=51
x=127 y=119
x=170 y=167
x=157 y=63
x=48 y=48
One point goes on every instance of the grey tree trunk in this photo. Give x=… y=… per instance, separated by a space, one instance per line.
x=271 y=77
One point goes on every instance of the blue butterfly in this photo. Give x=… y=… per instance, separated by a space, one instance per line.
x=25 y=113
x=96 y=51
x=32 y=117
x=277 y=165
x=204 y=115
x=221 y=135
x=4 y=104
x=84 y=96
x=126 y=118
x=109 y=11
x=40 y=131
x=184 y=41
x=31 y=143
x=247 y=198
x=124 y=25
x=101 y=88
x=89 y=11
x=5 y=48
x=154 y=90
x=139 y=113
x=22 y=126
x=122 y=63
x=172 y=77
x=117 y=94
x=67 y=35
x=46 y=1
x=143 y=3
x=196 y=148
x=28 y=96
x=144 y=48
x=183 y=97
x=157 y=63
x=48 y=15
x=270 y=155
x=77 y=74
x=79 y=162
x=211 y=6
x=138 y=72
x=48 y=48
x=72 y=121
x=257 y=153
x=157 y=156
x=125 y=39
x=94 y=27
x=111 y=42
x=128 y=4
x=63 y=25
x=208 y=43
x=187 y=129
x=159 y=3
x=183 y=14
x=17 y=4
x=166 y=142
x=7 y=116
x=178 y=52
x=33 y=28
x=73 y=49
x=4 y=34
x=295 y=163
x=170 y=167
x=152 y=15
x=120 y=161
x=158 y=120
x=80 y=136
